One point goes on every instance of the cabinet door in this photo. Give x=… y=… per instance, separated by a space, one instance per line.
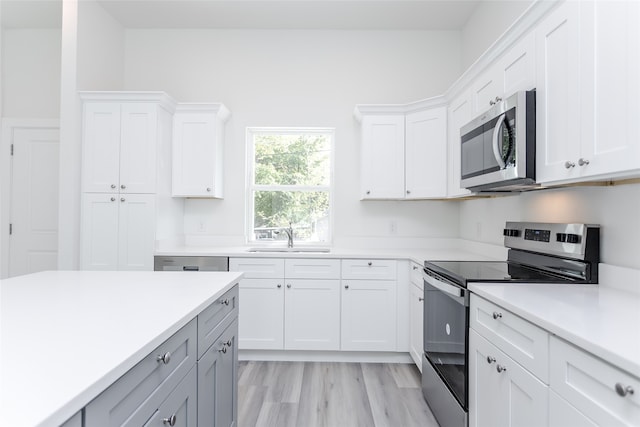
x=217 y=382
x=99 y=231
x=194 y=155
x=517 y=67
x=136 y=231
x=485 y=89
x=369 y=315
x=610 y=58
x=502 y=393
x=101 y=147
x=558 y=95
x=382 y=157
x=416 y=311
x=180 y=407
x=261 y=314
x=562 y=414
x=138 y=142
x=459 y=115
x=312 y=314
x=426 y=153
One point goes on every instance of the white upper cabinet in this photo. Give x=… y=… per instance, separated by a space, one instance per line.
x=404 y=154
x=459 y=115
x=382 y=157
x=426 y=153
x=588 y=56
x=198 y=141
x=119 y=147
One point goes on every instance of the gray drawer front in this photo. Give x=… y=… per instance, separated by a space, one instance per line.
x=135 y=396
x=215 y=318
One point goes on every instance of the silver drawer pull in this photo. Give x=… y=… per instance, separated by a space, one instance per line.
x=497 y=315
x=420 y=299
x=500 y=368
x=171 y=420
x=622 y=390
x=490 y=359
x=224 y=301
x=223 y=349
x=228 y=343
x=369 y=263
x=165 y=358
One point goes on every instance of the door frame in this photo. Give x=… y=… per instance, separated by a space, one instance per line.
x=9 y=126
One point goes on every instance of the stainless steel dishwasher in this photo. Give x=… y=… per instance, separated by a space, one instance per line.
x=191 y=263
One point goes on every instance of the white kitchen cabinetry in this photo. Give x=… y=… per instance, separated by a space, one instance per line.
x=459 y=115
x=198 y=142
x=117 y=231
x=588 y=63
x=416 y=311
x=291 y=304
x=426 y=153
x=512 y=72
x=508 y=368
x=602 y=394
x=403 y=152
x=369 y=311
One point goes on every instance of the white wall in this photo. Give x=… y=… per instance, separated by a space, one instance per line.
x=300 y=78
x=31 y=73
x=616 y=209
x=489 y=20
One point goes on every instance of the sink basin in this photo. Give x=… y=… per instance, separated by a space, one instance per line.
x=290 y=250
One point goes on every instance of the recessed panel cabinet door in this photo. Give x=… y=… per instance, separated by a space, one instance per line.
x=261 y=314
x=459 y=115
x=101 y=147
x=99 y=250
x=138 y=148
x=426 y=153
x=136 y=231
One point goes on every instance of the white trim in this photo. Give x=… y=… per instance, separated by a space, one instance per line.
x=325 y=356
x=251 y=186
x=162 y=98
x=9 y=125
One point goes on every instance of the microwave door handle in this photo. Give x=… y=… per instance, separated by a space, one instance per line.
x=496 y=142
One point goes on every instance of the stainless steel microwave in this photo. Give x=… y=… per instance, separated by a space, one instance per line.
x=498 y=147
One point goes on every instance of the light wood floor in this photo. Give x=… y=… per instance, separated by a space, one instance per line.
x=312 y=394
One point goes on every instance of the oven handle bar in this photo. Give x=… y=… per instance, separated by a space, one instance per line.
x=444 y=287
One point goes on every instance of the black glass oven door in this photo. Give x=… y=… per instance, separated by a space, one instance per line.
x=446 y=311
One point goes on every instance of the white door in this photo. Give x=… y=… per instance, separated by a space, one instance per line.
x=33 y=244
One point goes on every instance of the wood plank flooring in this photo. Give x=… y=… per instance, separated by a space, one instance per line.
x=313 y=394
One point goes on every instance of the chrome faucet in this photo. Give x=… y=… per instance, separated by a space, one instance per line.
x=289 y=232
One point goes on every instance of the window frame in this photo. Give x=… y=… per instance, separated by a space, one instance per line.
x=251 y=186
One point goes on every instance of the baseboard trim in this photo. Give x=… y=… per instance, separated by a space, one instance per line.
x=324 y=356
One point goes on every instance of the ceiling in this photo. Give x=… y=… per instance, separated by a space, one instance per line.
x=257 y=14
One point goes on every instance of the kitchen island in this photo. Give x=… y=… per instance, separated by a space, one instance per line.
x=68 y=336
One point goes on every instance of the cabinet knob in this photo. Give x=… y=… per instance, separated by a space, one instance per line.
x=113 y=199
x=346 y=286
x=368 y=192
x=165 y=358
x=490 y=359
x=500 y=369
x=415 y=267
x=170 y=421
x=113 y=186
x=279 y=285
x=123 y=186
x=492 y=102
x=223 y=349
x=622 y=390
x=208 y=189
x=498 y=99
x=408 y=191
x=497 y=315
x=288 y=285
x=228 y=343
x=582 y=162
x=569 y=165
x=420 y=299
x=224 y=301
x=369 y=263
x=122 y=199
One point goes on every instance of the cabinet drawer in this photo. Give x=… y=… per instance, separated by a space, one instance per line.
x=590 y=384
x=258 y=268
x=372 y=269
x=524 y=342
x=215 y=318
x=135 y=396
x=312 y=268
x=180 y=407
x=415 y=272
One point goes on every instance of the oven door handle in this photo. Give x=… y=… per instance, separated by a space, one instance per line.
x=444 y=287
x=496 y=141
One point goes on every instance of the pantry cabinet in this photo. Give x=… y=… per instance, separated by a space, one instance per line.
x=117 y=231
x=198 y=150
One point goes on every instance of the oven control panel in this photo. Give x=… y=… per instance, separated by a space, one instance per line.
x=569 y=240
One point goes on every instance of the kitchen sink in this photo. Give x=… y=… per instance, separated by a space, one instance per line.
x=290 y=250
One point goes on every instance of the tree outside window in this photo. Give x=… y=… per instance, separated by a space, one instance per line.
x=290 y=184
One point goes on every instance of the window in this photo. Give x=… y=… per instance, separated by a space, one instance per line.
x=290 y=183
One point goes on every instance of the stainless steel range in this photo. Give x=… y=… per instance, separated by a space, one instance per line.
x=538 y=253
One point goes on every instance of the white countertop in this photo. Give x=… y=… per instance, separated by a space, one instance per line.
x=600 y=319
x=66 y=336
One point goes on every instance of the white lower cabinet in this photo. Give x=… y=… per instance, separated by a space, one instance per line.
x=118 y=231
x=603 y=394
x=502 y=392
x=416 y=312
x=369 y=310
x=261 y=325
x=563 y=414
